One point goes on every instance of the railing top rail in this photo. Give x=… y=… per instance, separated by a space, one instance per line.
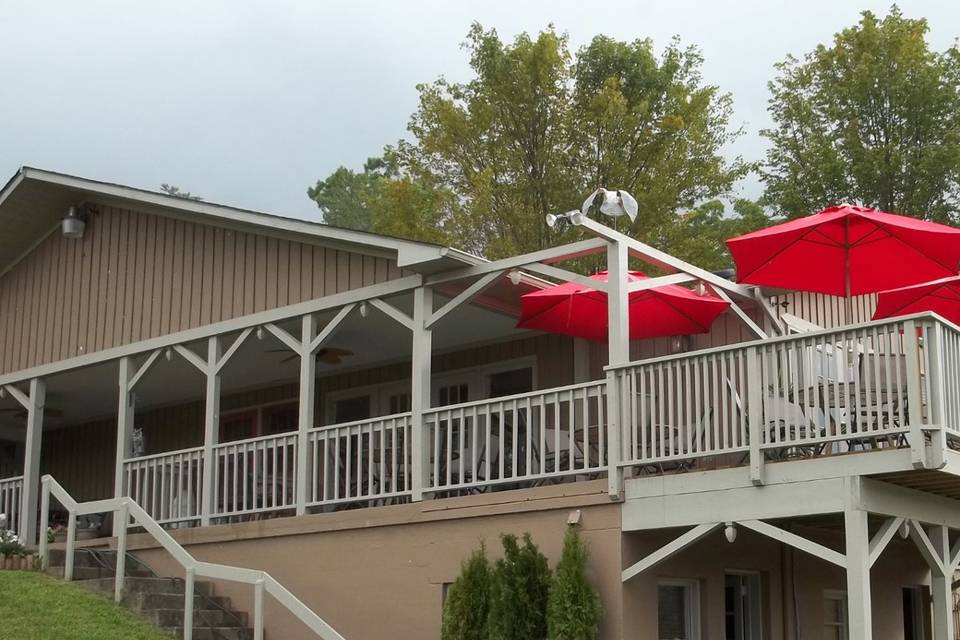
x=187 y=561
x=164 y=454
x=356 y=423
x=796 y=337
x=516 y=396
x=11 y=479
x=287 y=435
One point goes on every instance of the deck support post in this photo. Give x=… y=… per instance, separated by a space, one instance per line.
x=420 y=376
x=618 y=344
x=211 y=426
x=31 y=461
x=308 y=395
x=858 y=574
x=941 y=587
x=126 y=405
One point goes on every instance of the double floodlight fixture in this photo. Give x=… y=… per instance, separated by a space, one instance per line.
x=614 y=203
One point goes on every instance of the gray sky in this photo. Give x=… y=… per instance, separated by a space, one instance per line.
x=248 y=103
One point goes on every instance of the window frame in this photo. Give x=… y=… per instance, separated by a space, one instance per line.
x=477 y=379
x=755 y=600
x=692 y=614
x=840 y=596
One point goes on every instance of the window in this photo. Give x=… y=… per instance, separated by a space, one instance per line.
x=742 y=618
x=238 y=425
x=678 y=610
x=280 y=418
x=835 y=615
x=453 y=394
x=351 y=409
x=508 y=383
x=398 y=403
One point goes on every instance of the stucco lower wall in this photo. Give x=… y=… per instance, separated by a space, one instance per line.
x=379 y=573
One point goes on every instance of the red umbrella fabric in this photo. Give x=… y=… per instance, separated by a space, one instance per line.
x=847 y=251
x=940 y=296
x=574 y=309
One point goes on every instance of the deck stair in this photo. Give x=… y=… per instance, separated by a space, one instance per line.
x=158 y=599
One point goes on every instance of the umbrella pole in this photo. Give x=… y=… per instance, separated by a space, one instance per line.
x=846 y=272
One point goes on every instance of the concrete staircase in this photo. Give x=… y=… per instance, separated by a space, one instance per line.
x=159 y=600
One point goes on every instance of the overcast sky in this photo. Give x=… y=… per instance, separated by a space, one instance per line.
x=248 y=103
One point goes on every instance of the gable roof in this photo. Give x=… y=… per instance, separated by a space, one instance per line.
x=34 y=200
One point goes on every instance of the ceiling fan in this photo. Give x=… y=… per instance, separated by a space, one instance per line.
x=326 y=355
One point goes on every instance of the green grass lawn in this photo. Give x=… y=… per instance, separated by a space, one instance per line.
x=34 y=606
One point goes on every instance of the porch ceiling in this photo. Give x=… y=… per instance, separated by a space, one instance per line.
x=87 y=394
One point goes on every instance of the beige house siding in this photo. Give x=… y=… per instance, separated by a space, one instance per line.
x=135 y=276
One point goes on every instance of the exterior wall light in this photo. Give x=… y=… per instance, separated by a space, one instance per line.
x=730 y=532
x=72 y=225
x=514 y=277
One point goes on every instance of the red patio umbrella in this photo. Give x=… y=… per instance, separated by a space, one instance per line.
x=577 y=310
x=940 y=296
x=847 y=251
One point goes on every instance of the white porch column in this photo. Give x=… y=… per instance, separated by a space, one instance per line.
x=308 y=394
x=211 y=426
x=618 y=345
x=31 y=461
x=420 y=375
x=125 y=413
x=941 y=588
x=858 y=574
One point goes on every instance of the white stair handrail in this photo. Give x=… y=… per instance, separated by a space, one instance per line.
x=260 y=580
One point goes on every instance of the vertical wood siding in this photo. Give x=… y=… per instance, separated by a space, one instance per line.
x=135 y=276
x=826 y=311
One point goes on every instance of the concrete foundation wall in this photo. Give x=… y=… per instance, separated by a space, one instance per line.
x=380 y=573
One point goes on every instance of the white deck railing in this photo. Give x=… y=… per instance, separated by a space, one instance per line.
x=530 y=436
x=11 y=496
x=255 y=475
x=683 y=407
x=167 y=485
x=127 y=511
x=876 y=385
x=363 y=460
x=859 y=387
x=946 y=394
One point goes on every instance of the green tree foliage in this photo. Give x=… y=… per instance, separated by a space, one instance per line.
x=518 y=597
x=384 y=198
x=535 y=130
x=467 y=605
x=573 y=607
x=873 y=117
x=699 y=236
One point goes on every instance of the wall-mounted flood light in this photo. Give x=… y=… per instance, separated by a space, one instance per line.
x=72 y=225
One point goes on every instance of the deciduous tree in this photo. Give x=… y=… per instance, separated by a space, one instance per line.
x=872 y=117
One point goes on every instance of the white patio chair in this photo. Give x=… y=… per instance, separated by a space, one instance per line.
x=783 y=421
